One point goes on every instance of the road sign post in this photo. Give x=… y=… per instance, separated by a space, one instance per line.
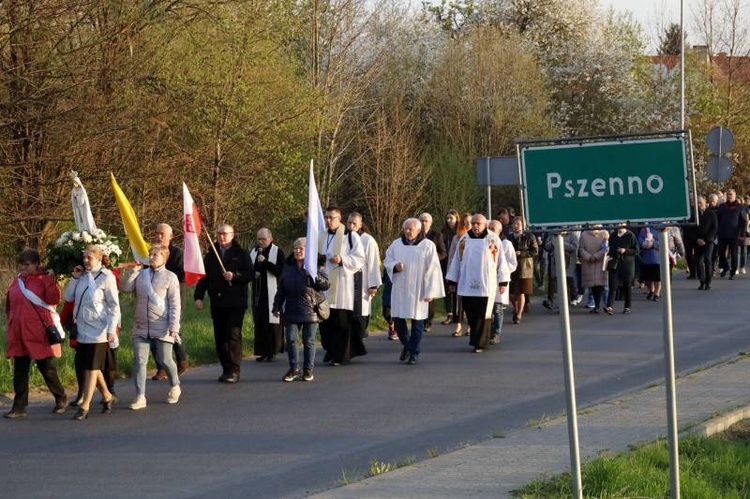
x=597 y=180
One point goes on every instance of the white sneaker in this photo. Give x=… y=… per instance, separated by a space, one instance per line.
x=742 y=270
x=174 y=394
x=138 y=403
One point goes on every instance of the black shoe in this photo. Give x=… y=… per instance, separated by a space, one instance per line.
x=107 y=405
x=723 y=272
x=81 y=414
x=404 y=354
x=707 y=287
x=222 y=378
x=292 y=375
x=307 y=375
x=702 y=286
x=547 y=304
x=262 y=358
x=232 y=378
x=270 y=358
x=412 y=360
x=327 y=357
x=76 y=401
x=731 y=277
x=15 y=413
x=594 y=311
x=60 y=405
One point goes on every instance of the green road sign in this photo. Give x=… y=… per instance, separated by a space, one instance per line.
x=605 y=182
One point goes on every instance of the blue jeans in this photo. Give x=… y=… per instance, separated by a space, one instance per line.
x=498 y=312
x=409 y=338
x=141 y=349
x=308 y=341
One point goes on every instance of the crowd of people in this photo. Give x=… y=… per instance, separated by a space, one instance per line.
x=479 y=267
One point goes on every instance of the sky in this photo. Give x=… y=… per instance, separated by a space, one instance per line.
x=653 y=15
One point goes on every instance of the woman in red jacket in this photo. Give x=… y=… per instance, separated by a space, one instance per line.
x=29 y=306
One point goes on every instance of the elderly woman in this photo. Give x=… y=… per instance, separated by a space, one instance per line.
x=30 y=309
x=156 y=322
x=296 y=296
x=592 y=247
x=93 y=289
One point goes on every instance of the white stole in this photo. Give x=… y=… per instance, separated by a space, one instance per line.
x=338 y=239
x=271 y=281
x=33 y=298
x=161 y=306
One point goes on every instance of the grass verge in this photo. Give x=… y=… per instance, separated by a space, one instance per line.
x=710 y=467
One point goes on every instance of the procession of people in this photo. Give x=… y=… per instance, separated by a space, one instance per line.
x=480 y=266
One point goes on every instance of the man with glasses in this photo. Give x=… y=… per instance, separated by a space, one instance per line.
x=341 y=252
x=479 y=271
x=228 y=271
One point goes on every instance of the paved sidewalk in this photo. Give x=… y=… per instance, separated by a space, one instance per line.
x=708 y=400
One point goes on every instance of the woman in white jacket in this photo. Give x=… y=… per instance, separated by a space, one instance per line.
x=156 y=320
x=96 y=314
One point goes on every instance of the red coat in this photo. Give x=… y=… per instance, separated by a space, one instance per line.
x=26 y=332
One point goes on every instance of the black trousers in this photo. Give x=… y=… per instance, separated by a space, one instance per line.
x=728 y=248
x=228 y=337
x=703 y=262
x=476 y=308
x=21 y=368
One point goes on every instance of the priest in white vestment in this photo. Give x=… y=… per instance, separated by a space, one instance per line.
x=368 y=280
x=341 y=252
x=477 y=270
x=414 y=269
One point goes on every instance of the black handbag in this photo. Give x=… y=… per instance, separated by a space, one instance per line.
x=53 y=335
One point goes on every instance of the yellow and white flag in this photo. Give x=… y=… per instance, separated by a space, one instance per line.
x=137 y=244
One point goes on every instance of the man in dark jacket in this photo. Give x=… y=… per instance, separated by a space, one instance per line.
x=442 y=253
x=732 y=221
x=704 y=235
x=226 y=279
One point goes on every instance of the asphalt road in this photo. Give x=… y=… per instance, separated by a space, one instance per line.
x=265 y=438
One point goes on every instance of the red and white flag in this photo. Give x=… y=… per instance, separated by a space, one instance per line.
x=192 y=227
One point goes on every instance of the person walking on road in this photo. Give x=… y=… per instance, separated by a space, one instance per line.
x=479 y=271
x=296 y=298
x=226 y=280
x=413 y=264
x=29 y=309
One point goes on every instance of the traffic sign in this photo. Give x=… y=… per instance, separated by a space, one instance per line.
x=605 y=182
x=720 y=140
x=719 y=169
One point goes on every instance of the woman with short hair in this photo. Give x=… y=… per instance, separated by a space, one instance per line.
x=30 y=308
x=96 y=314
x=156 y=322
x=296 y=296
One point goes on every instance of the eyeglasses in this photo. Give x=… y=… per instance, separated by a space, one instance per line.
x=332 y=217
x=225 y=233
